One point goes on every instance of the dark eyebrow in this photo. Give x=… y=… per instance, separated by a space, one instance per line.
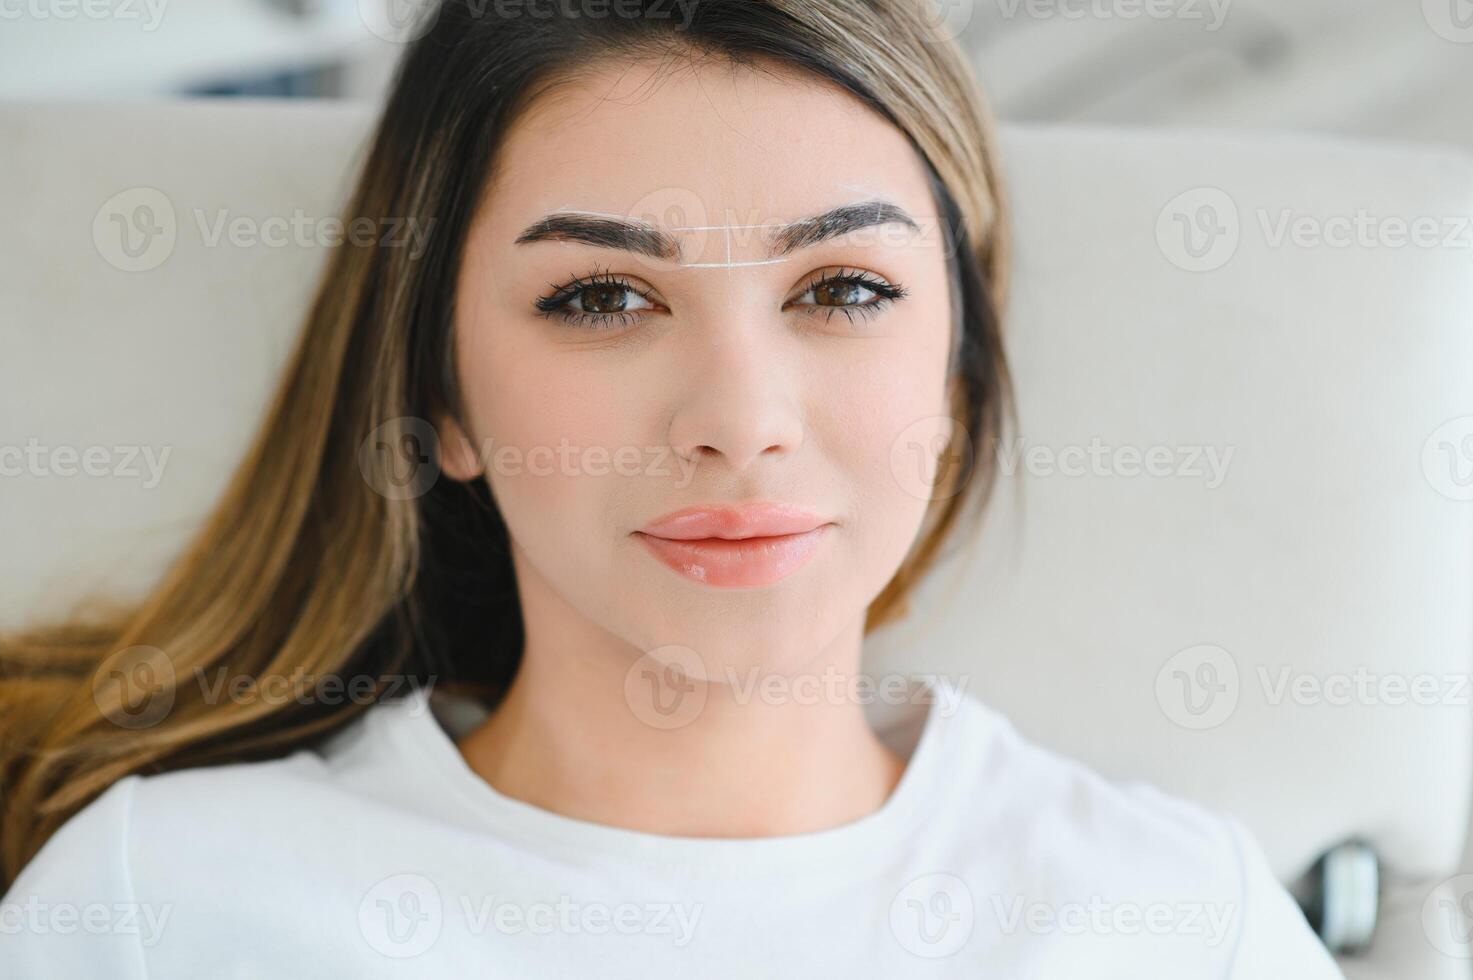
x=646 y=239
x=620 y=233
x=807 y=232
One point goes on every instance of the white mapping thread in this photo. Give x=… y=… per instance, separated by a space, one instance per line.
x=728 y=264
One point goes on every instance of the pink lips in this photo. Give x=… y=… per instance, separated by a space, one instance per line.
x=735 y=547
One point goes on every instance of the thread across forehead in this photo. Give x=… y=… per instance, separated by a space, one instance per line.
x=615 y=231
x=726 y=230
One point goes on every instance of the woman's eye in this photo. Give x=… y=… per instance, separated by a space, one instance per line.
x=596 y=302
x=850 y=294
x=838 y=292
x=603 y=300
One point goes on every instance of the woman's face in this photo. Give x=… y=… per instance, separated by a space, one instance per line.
x=729 y=368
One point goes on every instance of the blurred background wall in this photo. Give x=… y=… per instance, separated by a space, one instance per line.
x=1391 y=69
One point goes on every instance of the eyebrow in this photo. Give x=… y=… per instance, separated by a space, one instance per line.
x=612 y=231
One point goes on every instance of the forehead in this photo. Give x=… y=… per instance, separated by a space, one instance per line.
x=711 y=150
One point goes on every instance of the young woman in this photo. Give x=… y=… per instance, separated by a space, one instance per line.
x=526 y=640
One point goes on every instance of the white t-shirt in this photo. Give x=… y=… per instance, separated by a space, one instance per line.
x=385 y=855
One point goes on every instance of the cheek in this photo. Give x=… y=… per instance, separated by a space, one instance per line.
x=536 y=409
x=894 y=410
x=554 y=423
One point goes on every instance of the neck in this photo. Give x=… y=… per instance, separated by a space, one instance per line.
x=571 y=737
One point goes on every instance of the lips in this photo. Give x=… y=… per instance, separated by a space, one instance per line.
x=759 y=520
x=735 y=547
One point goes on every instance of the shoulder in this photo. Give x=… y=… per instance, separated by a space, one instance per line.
x=1274 y=939
x=72 y=909
x=85 y=854
x=102 y=844
x=146 y=832
x=185 y=816
x=1025 y=788
x=1128 y=854
x=144 y=861
x=281 y=795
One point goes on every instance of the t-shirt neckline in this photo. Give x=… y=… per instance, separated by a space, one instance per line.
x=412 y=724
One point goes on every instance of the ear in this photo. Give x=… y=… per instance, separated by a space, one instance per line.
x=458 y=457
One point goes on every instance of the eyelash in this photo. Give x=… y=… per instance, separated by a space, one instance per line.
x=554 y=307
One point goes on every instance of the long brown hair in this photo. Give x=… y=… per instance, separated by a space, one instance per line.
x=306 y=566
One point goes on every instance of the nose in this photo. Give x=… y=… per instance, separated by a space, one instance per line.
x=741 y=400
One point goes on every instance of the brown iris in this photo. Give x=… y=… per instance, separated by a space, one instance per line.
x=838 y=293
x=606 y=298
